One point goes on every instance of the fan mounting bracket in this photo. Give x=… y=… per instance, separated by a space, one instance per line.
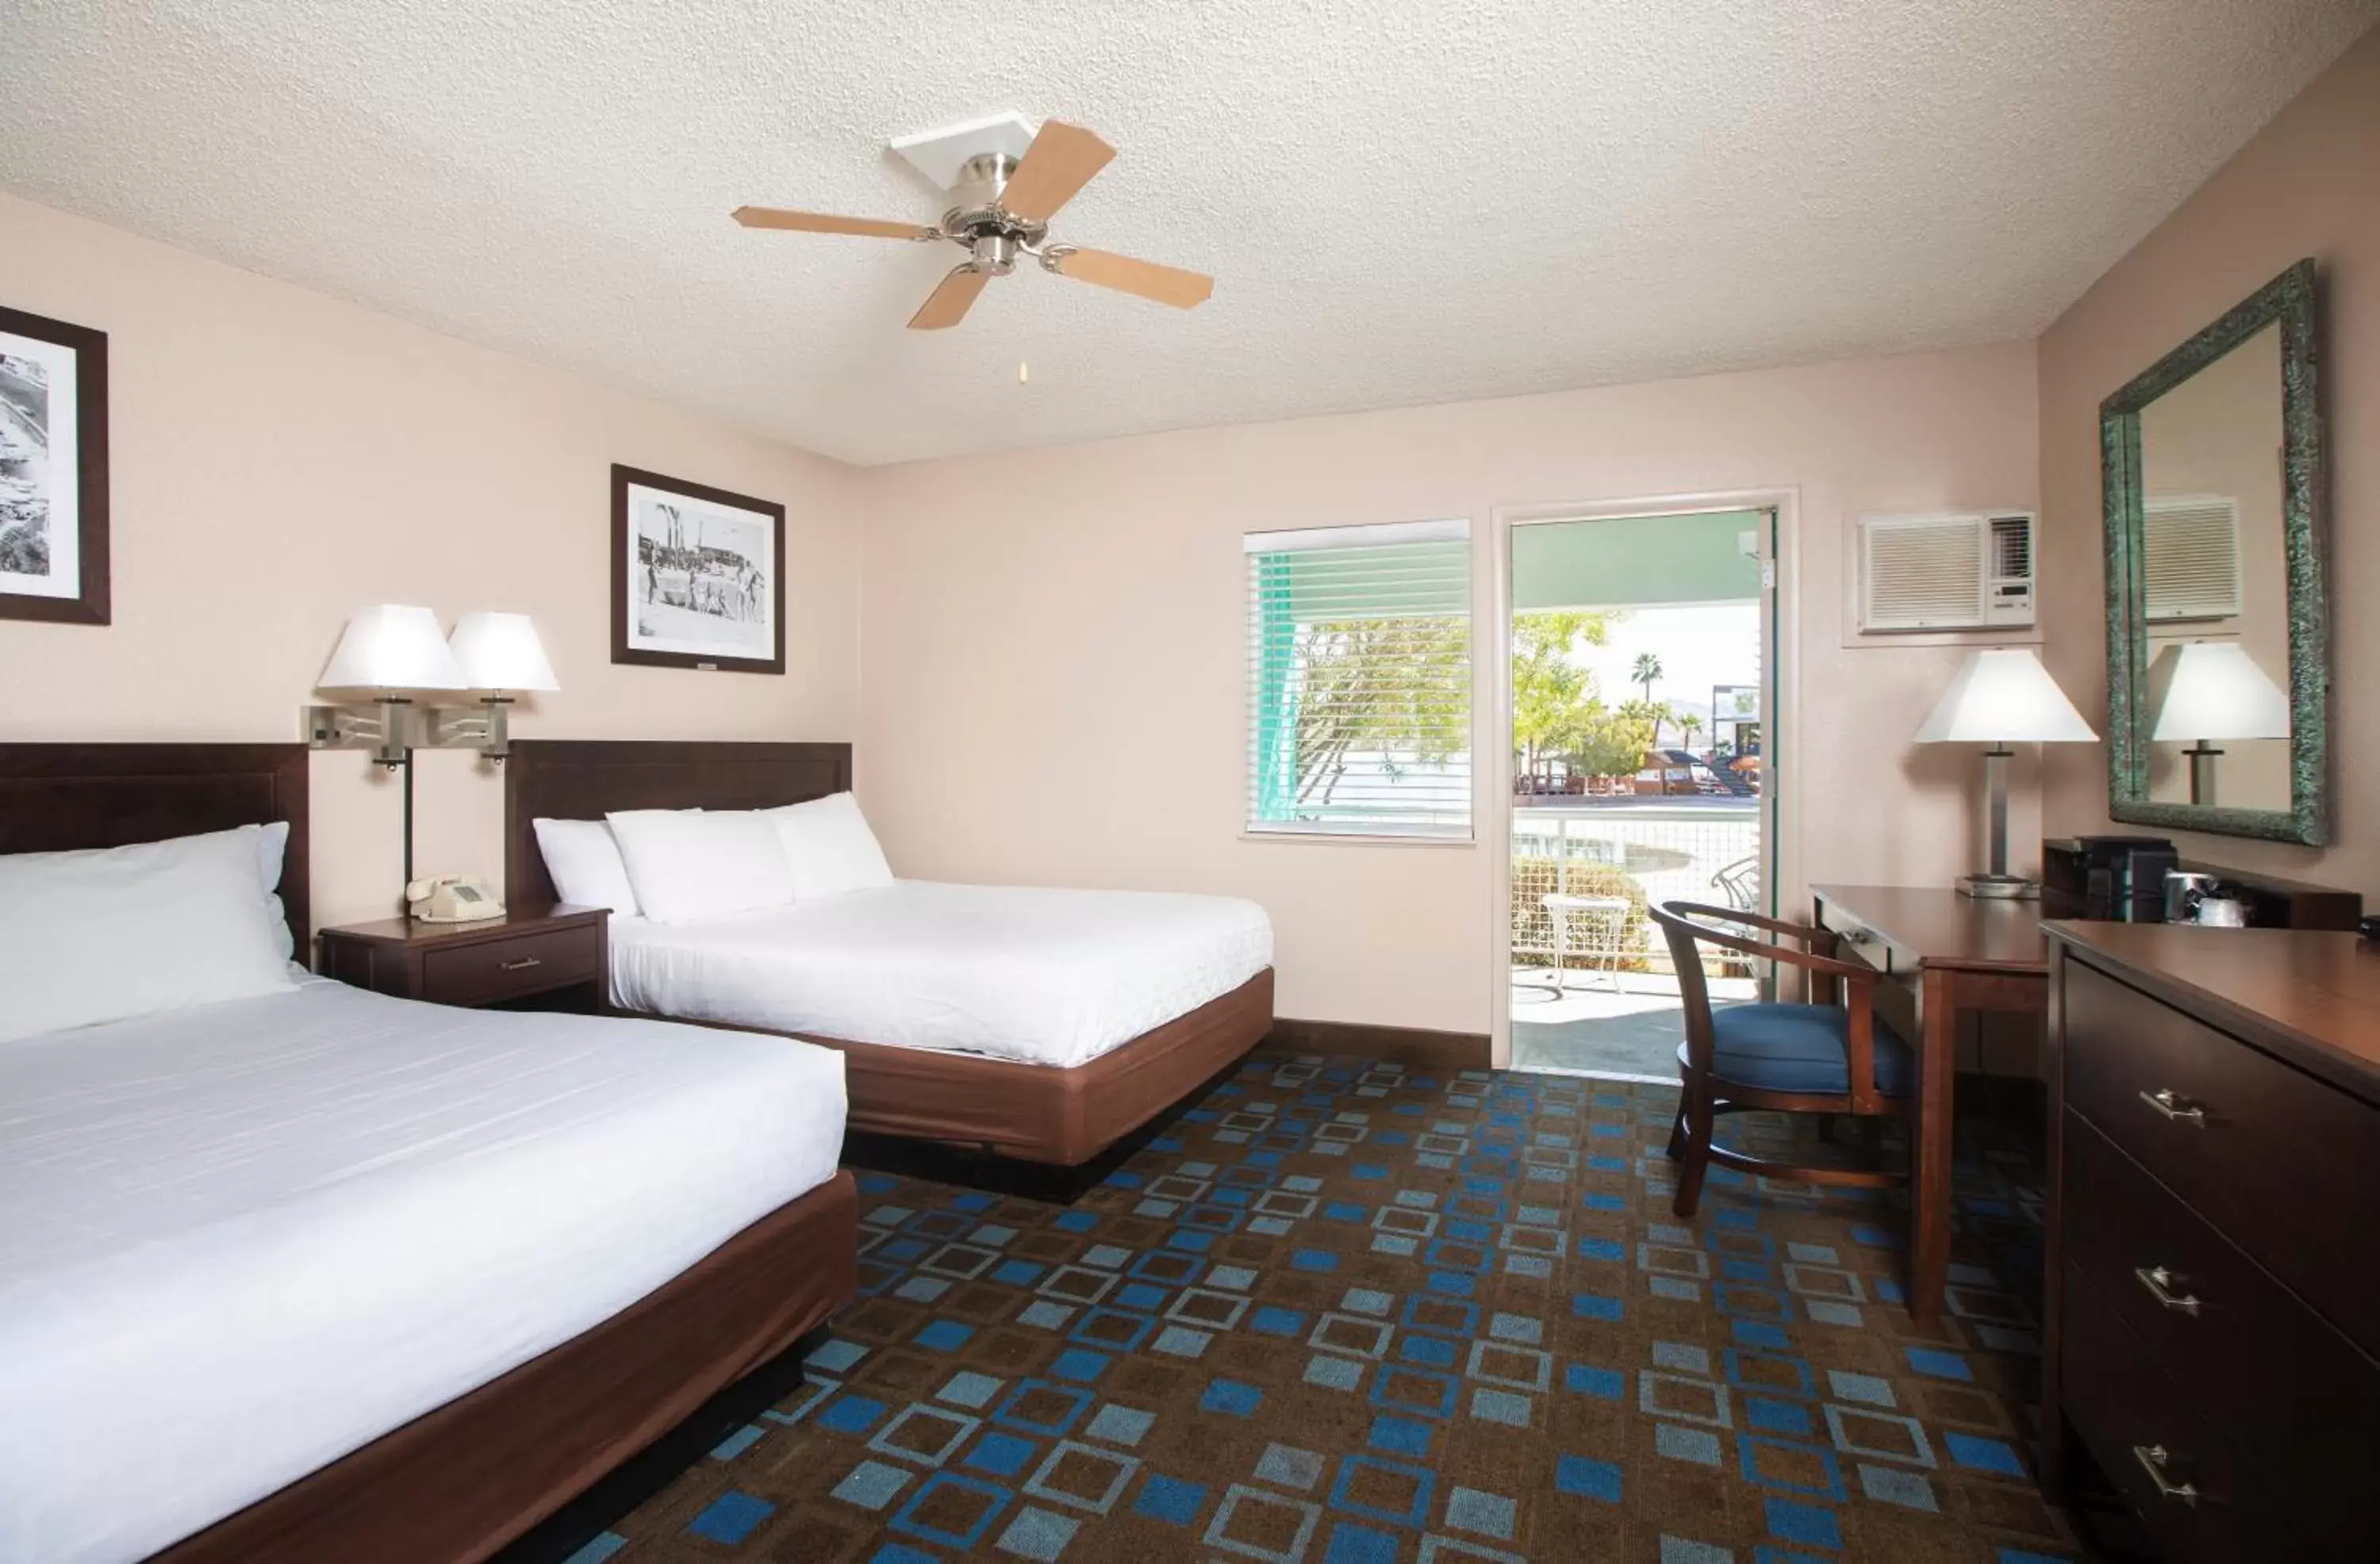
x=943 y=155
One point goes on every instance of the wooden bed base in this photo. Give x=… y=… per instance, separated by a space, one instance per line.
x=459 y=1482
x=1034 y=1113
x=1030 y=1112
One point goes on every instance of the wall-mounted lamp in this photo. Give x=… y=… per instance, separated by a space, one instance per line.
x=499 y=653
x=391 y=650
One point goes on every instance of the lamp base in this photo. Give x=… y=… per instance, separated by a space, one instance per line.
x=1999 y=888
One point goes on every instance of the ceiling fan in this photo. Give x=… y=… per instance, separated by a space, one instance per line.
x=1001 y=208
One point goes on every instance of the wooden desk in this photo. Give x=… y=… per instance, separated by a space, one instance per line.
x=1961 y=954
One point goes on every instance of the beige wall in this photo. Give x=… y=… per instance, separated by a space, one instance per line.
x=281 y=457
x=1055 y=643
x=2308 y=184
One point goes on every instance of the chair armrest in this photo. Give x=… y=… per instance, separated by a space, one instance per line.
x=1820 y=958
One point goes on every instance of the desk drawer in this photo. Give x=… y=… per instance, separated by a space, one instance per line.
x=2232 y=1336
x=2282 y=1165
x=498 y=969
x=1855 y=942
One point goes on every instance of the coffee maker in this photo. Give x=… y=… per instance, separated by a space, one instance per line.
x=2194 y=897
x=2119 y=878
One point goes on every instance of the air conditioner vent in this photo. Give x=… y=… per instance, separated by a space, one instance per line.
x=1945 y=572
x=2012 y=547
x=2189 y=558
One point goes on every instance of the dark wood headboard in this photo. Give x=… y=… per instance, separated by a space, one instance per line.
x=586 y=778
x=56 y=797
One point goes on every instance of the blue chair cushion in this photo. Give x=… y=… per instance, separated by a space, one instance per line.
x=1782 y=1047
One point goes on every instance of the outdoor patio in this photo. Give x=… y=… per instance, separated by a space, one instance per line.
x=1589 y=1028
x=1585 y=873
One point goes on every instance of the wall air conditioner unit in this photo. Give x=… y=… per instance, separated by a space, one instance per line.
x=2189 y=558
x=1946 y=572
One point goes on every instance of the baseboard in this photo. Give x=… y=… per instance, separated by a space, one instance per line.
x=1405 y=1044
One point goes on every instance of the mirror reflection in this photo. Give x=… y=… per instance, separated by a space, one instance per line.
x=2216 y=710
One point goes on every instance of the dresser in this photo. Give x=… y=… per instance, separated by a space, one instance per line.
x=2213 y=1266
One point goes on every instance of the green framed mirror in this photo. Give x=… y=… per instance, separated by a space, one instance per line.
x=2218 y=622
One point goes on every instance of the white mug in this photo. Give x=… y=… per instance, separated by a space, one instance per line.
x=2221 y=911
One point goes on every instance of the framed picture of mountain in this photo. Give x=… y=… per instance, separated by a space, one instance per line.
x=53 y=470
x=698 y=576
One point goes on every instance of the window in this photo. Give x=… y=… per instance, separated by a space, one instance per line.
x=1359 y=680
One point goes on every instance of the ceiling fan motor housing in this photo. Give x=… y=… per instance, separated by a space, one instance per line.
x=975 y=215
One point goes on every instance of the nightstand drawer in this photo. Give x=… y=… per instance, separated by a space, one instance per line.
x=526 y=964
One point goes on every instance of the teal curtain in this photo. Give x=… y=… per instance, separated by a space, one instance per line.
x=1276 y=757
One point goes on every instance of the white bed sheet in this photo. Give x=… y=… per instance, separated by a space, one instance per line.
x=240 y=1240
x=1025 y=974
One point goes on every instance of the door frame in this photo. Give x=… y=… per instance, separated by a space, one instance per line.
x=1780 y=705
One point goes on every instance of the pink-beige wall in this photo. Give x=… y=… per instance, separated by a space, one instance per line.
x=281 y=457
x=2307 y=184
x=1055 y=643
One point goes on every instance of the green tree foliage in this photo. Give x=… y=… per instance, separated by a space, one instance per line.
x=1558 y=713
x=1648 y=668
x=1400 y=688
x=1555 y=704
x=1649 y=715
x=1615 y=743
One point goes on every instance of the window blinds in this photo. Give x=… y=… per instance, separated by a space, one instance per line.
x=1359 y=680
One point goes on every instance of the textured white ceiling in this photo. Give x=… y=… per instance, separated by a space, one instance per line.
x=1403 y=203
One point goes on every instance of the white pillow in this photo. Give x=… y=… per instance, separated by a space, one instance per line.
x=687 y=864
x=829 y=847
x=109 y=933
x=583 y=858
x=272 y=843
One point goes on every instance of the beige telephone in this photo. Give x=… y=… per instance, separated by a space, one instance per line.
x=452 y=898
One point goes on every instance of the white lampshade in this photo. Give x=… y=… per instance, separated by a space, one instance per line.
x=2005 y=696
x=2214 y=689
x=392 y=647
x=500 y=651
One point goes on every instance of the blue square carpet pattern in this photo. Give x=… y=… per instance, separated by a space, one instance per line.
x=1345 y=1312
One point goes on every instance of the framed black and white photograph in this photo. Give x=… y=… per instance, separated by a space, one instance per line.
x=698 y=576
x=53 y=470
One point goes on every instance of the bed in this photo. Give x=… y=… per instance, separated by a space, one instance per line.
x=1043 y=1025
x=322 y=1274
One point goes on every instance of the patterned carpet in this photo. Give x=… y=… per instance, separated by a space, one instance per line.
x=1351 y=1313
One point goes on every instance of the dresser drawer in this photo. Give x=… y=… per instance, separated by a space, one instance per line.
x=497 y=969
x=2210 y=1320
x=2283 y=1165
x=2131 y=1415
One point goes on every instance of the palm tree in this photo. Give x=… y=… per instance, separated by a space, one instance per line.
x=1688 y=725
x=1648 y=668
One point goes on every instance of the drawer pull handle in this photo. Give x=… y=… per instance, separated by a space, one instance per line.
x=2159 y=1282
x=521 y=966
x=2153 y=1459
x=2176 y=1107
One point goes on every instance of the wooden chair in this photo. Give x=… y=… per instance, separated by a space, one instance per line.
x=1825 y=1058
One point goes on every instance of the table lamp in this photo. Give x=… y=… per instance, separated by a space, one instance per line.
x=2001 y=697
x=2204 y=690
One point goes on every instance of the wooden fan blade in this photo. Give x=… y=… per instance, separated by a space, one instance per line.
x=1167 y=284
x=949 y=303
x=822 y=223
x=1060 y=161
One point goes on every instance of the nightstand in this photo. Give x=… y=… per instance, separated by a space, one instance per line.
x=559 y=959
